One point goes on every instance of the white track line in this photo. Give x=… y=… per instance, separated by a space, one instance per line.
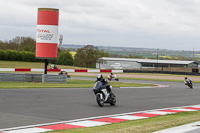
x=158 y=86
x=112 y=116
x=88 y=123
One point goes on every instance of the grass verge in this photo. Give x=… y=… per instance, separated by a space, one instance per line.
x=147 y=125
x=167 y=80
x=20 y=64
x=72 y=83
x=147 y=79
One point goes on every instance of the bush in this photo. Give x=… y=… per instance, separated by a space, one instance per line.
x=28 y=56
x=64 y=58
x=13 y=55
x=2 y=55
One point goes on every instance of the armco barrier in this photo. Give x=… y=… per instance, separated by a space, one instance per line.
x=107 y=71
x=54 y=78
x=16 y=77
x=12 y=77
x=81 y=70
x=36 y=77
x=22 y=69
x=58 y=70
x=161 y=72
x=53 y=70
x=7 y=69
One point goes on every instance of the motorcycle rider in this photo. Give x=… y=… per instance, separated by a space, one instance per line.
x=111 y=75
x=105 y=82
x=187 y=80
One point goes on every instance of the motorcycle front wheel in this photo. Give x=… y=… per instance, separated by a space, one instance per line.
x=100 y=101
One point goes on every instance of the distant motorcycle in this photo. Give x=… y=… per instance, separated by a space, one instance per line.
x=53 y=66
x=102 y=95
x=65 y=73
x=112 y=77
x=189 y=83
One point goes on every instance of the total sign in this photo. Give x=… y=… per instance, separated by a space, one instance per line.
x=47 y=33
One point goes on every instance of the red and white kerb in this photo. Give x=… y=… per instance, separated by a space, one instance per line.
x=47 y=33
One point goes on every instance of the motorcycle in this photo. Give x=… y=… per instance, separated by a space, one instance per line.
x=110 y=77
x=189 y=83
x=65 y=73
x=102 y=95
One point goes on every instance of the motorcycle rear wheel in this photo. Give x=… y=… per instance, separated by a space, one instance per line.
x=191 y=86
x=112 y=100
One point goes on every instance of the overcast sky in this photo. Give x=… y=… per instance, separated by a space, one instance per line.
x=168 y=24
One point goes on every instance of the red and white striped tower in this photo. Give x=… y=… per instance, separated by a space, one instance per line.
x=47 y=33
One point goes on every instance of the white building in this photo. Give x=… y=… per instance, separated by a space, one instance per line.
x=129 y=63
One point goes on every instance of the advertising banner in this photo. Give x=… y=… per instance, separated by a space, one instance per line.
x=47 y=33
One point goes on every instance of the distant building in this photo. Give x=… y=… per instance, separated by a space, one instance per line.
x=129 y=63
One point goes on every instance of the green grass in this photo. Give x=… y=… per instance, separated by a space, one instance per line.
x=147 y=125
x=167 y=80
x=19 y=64
x=147 y=79
x=71 y=83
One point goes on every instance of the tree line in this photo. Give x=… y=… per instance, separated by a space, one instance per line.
x=23 y=49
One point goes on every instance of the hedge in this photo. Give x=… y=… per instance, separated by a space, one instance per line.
x=13 y=55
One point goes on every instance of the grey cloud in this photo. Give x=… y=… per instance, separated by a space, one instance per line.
x=139 y=23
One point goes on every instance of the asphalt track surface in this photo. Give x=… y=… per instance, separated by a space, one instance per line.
x=22 y=107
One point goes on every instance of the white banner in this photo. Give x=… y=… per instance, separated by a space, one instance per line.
x=47 y=34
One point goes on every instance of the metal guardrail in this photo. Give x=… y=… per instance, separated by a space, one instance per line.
x=12 y=77
x=161 y=72
x=54 y=78
x=16 y=77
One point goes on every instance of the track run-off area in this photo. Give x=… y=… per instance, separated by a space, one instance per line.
x=24 y=107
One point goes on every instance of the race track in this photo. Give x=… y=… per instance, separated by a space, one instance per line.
x=22 y=107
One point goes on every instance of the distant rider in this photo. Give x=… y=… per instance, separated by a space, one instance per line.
x=111 y=75
x=105 y=82
x=187 y=80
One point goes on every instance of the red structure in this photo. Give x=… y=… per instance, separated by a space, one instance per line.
x=47 y=33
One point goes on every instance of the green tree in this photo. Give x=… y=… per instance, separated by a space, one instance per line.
x=65 y=58
x=27 y=44
x=19 y=43
x=88 y=55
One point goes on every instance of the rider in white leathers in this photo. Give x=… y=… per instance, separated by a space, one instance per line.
x=187 y=80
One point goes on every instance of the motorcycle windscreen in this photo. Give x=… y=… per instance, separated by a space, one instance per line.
x=97 y=85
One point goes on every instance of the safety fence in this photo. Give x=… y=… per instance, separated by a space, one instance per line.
x=44 y=78
x=57 y=70
x=191 y=71
x=162 y=72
